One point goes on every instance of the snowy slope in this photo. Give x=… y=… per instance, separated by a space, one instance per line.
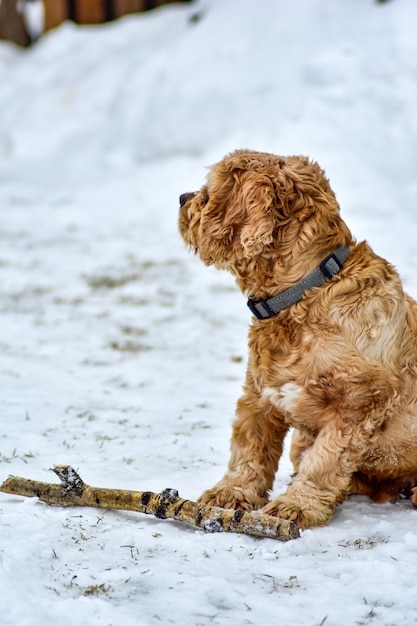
x=122 y=355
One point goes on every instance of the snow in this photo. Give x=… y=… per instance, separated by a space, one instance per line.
x=33 y=13
x=123 y=356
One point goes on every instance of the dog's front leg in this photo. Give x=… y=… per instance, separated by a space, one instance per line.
x=322 y=481
x=347 y=413
x=256 y=447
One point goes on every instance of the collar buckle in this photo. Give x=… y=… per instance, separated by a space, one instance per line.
x=331 y=265
x=260 y=310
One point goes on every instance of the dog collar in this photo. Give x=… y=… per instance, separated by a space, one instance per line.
x=332 y=265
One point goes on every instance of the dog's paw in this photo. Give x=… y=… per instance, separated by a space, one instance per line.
x=225 y=499
x=233 y=497
x=306 y=512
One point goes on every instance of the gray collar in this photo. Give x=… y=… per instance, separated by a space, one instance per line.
x=328 y=268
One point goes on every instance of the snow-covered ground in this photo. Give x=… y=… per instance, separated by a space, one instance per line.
x=122 y=355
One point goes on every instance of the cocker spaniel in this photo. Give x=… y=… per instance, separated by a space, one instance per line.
x=332 y=343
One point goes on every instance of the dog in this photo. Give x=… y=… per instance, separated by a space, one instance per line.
x=332 y=343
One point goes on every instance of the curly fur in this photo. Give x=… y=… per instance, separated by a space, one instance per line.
x=340 y=366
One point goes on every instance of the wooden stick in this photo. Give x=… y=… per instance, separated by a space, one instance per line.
x=74 y=492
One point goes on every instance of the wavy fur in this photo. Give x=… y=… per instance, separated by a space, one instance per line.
x=340 y=366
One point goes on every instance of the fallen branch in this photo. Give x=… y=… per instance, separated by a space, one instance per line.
x=166 y=505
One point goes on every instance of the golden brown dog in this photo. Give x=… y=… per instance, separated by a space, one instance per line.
x=334 y=355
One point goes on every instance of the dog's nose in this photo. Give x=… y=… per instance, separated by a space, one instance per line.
x=184 y=197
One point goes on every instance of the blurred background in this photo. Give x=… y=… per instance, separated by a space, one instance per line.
x=24 y=21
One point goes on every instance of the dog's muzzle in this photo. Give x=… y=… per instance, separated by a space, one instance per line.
x=185 y=196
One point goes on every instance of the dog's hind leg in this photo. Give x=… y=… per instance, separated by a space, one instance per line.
x=300 y=442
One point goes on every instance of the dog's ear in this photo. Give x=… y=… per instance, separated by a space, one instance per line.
x=261 y=202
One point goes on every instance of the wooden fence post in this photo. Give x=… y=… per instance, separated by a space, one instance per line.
x=12 y=26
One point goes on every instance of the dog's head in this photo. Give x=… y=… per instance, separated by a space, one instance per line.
x=257 y=205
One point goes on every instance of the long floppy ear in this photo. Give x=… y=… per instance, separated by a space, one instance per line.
x=261 y=201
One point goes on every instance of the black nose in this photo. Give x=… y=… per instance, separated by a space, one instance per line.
x=184 y=197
